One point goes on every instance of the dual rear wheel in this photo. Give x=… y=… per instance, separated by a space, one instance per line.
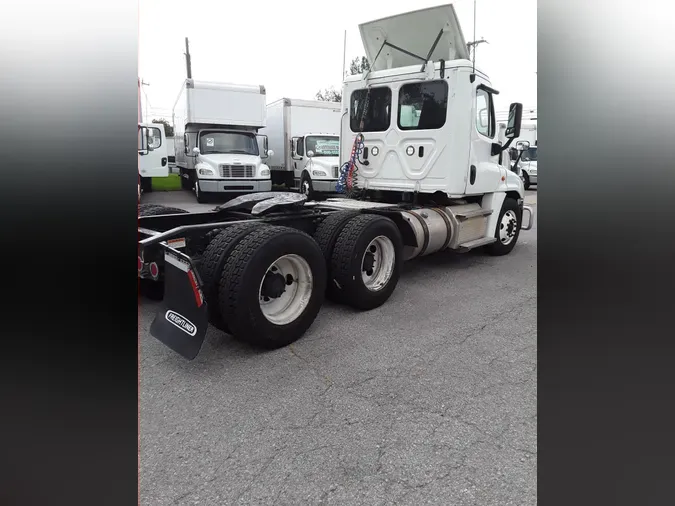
x=265 y=284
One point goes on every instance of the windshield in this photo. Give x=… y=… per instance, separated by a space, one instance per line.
x=228 y=142
x=323 y=145
x=530 y=155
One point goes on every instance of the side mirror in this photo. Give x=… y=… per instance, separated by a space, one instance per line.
x=515 y=118
x=310 y=153
x=294 y=148
x=148 y=140
x=523 y=145
x=195 y=151
x=270 y=152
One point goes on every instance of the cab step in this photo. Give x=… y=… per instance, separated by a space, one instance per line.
x=473 y=214
x=476 y=243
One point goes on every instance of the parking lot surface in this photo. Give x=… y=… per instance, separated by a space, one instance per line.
x=429 y=399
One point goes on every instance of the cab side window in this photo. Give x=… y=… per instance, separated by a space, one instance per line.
x=485 y=114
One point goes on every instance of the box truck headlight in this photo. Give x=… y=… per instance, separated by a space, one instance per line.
x=265 y=172
x=318 y=173
x=205 y=172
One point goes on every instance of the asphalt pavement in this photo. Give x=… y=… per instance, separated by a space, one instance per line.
x=429 y=399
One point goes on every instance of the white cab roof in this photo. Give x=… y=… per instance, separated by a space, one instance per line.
x=414 y=32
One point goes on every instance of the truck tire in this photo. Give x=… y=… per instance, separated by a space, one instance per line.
x=526 y=180
x=185 y=182
x=146 y=184
x=306 y=186
x=215 y=256
x=508 y=228
x=272 y=286
x=144 y=207
x=325 y=236
x=158 y=210
x=366 y=261
x=199 y=195
x=198 y=245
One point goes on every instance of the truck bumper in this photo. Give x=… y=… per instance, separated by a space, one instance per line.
x=235 y=185
x=528 y=210
x=324 y=185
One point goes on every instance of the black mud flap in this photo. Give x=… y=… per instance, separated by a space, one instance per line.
x=182 y=319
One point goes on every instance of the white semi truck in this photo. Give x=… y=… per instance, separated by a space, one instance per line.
x=423 y=171
x=526 y=167
x=153 y=160
x=217 y=146
x=305 y=138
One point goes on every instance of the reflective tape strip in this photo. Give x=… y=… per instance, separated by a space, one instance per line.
x=183 y=266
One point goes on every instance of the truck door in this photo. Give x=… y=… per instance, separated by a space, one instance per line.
x=299 y=157
x=153 y=160
x=485 y=172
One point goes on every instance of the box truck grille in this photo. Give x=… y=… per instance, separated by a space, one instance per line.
x=236 y=171
x=336 y=171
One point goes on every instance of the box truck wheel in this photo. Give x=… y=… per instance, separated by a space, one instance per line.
x=146 y=184
x=306 y=187
x=215 y=255
x=366 y=261
x=508 y=228
x=325 y=235
x=272 y=286
x=201 y=196
x=185 y=180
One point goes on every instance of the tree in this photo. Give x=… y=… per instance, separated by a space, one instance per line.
x=356 y=66
x=359 y=65
x=168 y=128
x=329 y=95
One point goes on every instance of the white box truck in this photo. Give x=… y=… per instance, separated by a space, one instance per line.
x=424 y=172
x=217 y=146
x=305 y=138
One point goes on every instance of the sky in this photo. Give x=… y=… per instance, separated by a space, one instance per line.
x=295 y=48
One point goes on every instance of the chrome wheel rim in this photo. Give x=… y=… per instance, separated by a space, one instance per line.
x=286 y=289
x=508 y=226
x=377 y=263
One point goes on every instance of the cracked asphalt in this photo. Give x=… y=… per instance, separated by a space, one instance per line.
x=429 y=399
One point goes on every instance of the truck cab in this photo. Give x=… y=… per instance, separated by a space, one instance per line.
x=153 y=159
x=316 y=162
x=527 y=166
x=217 y=145
x=422 y=121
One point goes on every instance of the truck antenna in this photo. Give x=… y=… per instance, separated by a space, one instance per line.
x=473 y=70
x=472 y=45
x=143 y=83
x=188 y=61
x=344 y=55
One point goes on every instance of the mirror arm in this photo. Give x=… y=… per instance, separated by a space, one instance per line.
x=498 y=149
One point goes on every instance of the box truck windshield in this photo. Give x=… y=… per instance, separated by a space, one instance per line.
x=227 y=143
x=323 y=145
